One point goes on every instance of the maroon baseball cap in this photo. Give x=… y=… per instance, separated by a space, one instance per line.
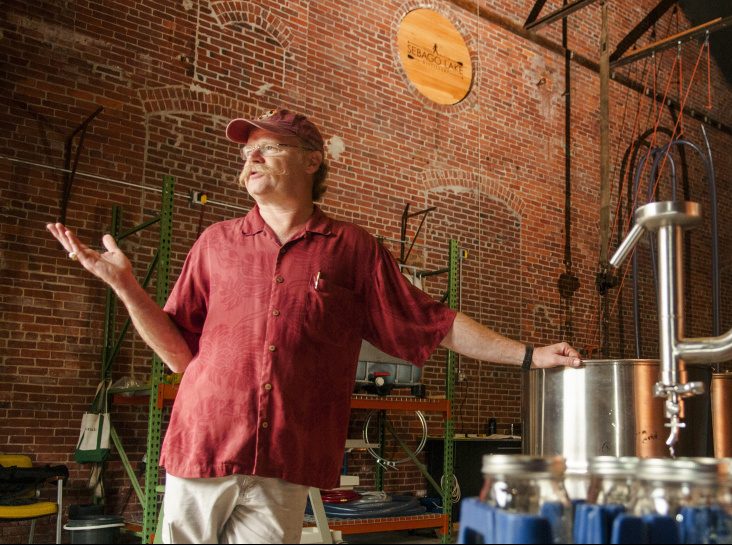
x=280 y=122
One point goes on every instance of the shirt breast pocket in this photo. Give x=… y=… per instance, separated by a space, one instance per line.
x=333 y=313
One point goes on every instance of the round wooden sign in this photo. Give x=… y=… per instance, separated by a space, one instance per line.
x=434 y=56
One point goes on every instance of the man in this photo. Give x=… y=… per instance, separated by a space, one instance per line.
x=266 y=320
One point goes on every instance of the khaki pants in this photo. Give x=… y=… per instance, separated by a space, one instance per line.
x=233 y=509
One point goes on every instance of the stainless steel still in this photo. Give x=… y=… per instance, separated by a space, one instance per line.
x=607 y=408
x=670 y=218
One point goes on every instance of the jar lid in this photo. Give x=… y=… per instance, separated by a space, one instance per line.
x=698 y=470
x=512 y=464
x=727 y=463
x=615 y=466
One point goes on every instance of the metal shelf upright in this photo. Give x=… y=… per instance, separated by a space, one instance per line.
x=155 y=414
x=449 y=432
x=161 y=266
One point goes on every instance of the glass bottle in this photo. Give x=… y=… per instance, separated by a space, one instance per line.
x=612 y=480
x=725 y=500
x=688 y=491
x=529 y=485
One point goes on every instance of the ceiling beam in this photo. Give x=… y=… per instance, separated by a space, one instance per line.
x=648 y=21
x=561 y=13
x=535 y=11
x=675 y=40
x=517 y=29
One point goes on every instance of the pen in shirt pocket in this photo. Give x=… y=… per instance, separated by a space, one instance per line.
x=317 y=280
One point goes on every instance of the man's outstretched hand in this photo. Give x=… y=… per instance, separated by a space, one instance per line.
x=112 y=266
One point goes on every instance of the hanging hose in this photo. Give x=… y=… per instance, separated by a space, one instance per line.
x=392 y=463
x=603 y=281
x=656 y=153
x=398 y=506
x=628 y=166
x=663 y=152
x=455 y=492
x=716 y=292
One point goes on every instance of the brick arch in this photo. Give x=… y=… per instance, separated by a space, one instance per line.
x=471 y=100
x=185 y=99
x=471 y=181
x=231 y=12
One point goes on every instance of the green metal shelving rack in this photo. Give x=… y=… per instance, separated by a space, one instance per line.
x=155 y=414
x=160 y=267
x=449 y=431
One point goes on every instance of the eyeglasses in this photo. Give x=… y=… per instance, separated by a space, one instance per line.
x=267 y=150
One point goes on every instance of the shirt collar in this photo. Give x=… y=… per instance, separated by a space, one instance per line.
x=253 y=223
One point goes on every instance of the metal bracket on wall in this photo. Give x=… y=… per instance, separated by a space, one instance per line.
x=403 y=234
x=70 y=171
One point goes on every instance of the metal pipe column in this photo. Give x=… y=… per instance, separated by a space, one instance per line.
x=670 y=301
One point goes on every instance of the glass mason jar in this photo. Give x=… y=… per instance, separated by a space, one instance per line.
x=687 y=490
x=725 y=500
x=612 y=480
x=529 y=485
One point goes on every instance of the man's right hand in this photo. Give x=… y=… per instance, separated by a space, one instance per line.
x=112 y=266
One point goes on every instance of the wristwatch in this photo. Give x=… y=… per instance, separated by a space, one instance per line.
x=528 y=356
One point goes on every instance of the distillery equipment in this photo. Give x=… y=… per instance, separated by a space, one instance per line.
x=608 y=408
x=669 y=219
x=633 y=407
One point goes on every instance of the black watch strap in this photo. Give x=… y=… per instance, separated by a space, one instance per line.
x=528 y=356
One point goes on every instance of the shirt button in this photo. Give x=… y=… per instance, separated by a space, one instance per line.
x=283 y=251
x=267 y=386
x=279 y=279
x=272 y=348
x=275 y=312
x=265 y=424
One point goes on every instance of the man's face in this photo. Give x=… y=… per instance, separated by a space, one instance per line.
x=277 y=166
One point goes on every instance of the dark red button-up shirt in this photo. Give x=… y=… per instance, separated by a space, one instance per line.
x=276 y=331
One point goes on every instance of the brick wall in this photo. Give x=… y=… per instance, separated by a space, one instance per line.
x=169 y=75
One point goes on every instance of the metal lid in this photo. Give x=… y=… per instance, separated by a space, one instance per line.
x=513 y=464
x=576 y=467
x=95 y=522
x=614 y=466
x=698 y=470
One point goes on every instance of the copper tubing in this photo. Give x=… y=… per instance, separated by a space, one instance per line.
x=722 y=414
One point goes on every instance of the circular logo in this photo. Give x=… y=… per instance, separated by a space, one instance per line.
x=434 y=56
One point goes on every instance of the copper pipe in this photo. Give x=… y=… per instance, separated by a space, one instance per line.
x=722 y=414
